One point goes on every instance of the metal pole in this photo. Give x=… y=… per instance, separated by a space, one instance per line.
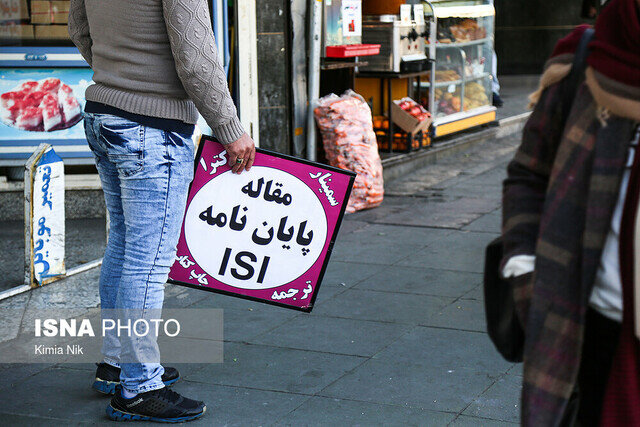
x=315 y=42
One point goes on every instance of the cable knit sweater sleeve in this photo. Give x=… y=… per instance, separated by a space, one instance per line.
x=79 y=29
x=198 y=65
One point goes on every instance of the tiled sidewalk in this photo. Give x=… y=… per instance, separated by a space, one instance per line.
x=397 y=336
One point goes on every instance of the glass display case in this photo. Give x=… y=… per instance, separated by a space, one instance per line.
x=458 y=89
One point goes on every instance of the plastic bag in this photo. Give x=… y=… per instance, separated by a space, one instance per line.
x=350 y=143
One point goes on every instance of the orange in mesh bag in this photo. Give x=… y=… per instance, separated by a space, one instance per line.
x=350 y=143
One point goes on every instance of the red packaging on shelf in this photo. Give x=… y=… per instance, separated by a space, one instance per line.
x=351 y=50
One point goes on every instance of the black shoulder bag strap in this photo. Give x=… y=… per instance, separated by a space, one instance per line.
x=576 y=75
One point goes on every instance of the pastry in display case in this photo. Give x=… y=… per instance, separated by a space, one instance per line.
x=460 y=96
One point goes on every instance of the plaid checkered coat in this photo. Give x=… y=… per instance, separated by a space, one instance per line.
x=558 y=201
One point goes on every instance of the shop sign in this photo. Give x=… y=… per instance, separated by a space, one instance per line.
x=264 y=235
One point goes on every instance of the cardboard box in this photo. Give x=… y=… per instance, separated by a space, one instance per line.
x=40 y=12
x=59 y=12
x=14 y=10
x=16 y=31
x=406 y=121
x=51 y=32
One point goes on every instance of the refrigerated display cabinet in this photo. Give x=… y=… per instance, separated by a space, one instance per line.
x=458 y=91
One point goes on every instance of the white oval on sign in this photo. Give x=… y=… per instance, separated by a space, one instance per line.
x=257 y=230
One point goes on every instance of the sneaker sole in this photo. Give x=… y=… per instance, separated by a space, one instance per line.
x=109 y=387
x=118 y=415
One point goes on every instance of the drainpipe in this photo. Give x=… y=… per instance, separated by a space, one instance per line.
x=315 y=42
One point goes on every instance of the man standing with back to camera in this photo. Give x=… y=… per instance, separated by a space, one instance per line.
x=155 y=67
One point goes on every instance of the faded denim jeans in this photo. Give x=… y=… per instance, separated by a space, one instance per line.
x=145 y=174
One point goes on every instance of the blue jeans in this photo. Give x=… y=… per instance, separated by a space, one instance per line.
x=145 y=174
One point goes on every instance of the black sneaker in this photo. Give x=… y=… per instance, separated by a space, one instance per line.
x=108 y=377
x=163 y=405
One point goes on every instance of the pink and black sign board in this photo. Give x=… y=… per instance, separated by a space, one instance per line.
x=264 y=235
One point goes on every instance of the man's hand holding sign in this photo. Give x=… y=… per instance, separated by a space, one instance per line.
x=266 y=234
x=242 y=154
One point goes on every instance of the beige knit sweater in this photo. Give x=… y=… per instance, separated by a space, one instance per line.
x=157 y=58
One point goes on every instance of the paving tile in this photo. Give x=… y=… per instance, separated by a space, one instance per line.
x=384 y=253
x=466 y=240
x=459 y=251
x=176 y=296
x=11 y=313
x=321 y=411
x=397 y=383
x=83 y=287
x=453 y=260
x=328 y=291
x=500 y=402
x=476 y=293
x=349 y=226
x=228 y=302
x=348 y=273
x=58 y=393
x=454 y=213
x=276 y=369
x=427 y=281
x=14 y=373
x=396 y=235
x=242 y=325
x=491 y=223
x=9 y=419
x=389 y=206
x=382 y=306
x=238 y=406
x=516 y=369
x=492 y=194
x=463 y=314
x=466 y=421
x=345 y=336
x=491 y=177
x=445 y=350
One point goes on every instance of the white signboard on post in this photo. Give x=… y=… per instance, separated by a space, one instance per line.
x=44 y=216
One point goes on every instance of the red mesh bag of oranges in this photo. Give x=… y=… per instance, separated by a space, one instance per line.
x=350 y=143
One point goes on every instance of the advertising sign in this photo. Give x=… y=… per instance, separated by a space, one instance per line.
x=42 y=104
x=351 y=18
x=264 y=235
x=46 y=105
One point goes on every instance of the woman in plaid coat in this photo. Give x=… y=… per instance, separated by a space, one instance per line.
x=570 y=202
